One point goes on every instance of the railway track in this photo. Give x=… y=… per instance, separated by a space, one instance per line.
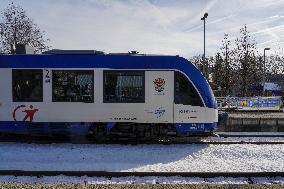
x=140 y=174
x=152 y=142
x=222 y=138
x=250 y=134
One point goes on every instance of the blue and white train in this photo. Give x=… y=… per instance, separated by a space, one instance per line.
x=104 y=96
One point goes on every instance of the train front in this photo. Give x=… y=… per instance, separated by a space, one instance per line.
x=195 y=106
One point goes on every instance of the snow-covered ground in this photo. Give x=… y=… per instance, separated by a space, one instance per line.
x=243 y=139
x=168 y=158
x=140 y=180
x=259 y=134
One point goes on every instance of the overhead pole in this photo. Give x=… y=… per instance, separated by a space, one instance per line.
x=204 y=62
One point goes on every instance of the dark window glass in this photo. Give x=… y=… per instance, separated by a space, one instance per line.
x=27 y=85
x=72 y=86
x=124 y=86
x=185 y=93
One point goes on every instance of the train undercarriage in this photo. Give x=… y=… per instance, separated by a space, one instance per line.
x=132 y=132
x=103 y=132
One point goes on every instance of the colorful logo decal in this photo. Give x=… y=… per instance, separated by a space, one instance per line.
x=160 y=112
x=244 y=102
x=159 y=84
x=29 y=112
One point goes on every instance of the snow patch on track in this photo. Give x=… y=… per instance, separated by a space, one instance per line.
x=139 y=180
x=154 y=158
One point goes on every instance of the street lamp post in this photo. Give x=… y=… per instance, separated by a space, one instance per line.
x=204 y=64
x=264 y=70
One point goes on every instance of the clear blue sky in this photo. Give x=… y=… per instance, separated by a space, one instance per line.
x=154 y=26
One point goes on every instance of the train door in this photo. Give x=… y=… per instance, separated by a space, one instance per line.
x=159 y=94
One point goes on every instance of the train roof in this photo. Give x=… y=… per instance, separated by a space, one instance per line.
x=113 y=61
x=87 y=59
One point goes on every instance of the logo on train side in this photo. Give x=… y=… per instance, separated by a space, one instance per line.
x=26 y=112
x=159 y=84
x=160 y=112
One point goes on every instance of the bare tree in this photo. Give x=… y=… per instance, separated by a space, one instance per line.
x=238 y=68
x=17 y=28
x=246 y=62
x=197 y=61
x=223 y=73
x=218 y=70
x=275 y=63
x=275 y=67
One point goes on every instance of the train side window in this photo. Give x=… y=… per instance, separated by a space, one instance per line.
x=185 y=93
x=27 y=85
x=72 y=86
x=124 y=86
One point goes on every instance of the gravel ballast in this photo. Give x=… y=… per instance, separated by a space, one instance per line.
x=133 y=186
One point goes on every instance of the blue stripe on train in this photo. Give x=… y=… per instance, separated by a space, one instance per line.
x=44 y=127
x=195 y=127
x=83 y=128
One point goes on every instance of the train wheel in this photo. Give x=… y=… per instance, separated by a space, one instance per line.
x=98 y=133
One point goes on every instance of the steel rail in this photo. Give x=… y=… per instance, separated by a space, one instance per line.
x=251 y=135
x=222 y=139
x=212 y=142
x=235 y=142
x=140 y=174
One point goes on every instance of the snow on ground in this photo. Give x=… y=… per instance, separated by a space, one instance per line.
x=259 y=134
x=244 y=139
x=168 y=158
x=140 y=180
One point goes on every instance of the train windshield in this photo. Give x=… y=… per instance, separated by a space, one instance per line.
x=185 y=93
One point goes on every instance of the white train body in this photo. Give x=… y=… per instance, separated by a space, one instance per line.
x=153 y=101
